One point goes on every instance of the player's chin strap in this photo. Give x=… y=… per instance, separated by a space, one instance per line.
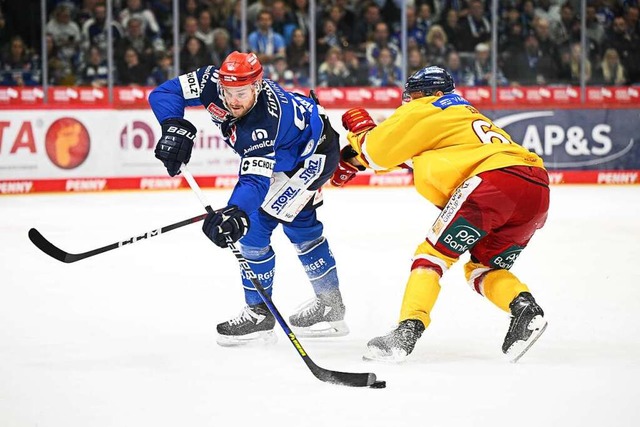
x=334 y=377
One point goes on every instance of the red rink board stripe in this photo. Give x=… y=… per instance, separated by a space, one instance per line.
x=75 y=185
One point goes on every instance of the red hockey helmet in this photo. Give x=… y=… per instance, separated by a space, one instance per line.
x=240 y=69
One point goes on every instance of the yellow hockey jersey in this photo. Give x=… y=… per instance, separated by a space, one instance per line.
x=445 y=139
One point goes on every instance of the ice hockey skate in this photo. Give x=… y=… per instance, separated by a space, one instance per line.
x=527 y=324
x=397 y=344
x=254 y=325
x=323 y=316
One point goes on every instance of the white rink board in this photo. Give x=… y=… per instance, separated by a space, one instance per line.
x=127 y=338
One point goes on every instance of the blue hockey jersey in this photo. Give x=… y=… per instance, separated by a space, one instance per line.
x=276 y=135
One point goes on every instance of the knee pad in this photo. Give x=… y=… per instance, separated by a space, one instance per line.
x=319 y=264
x=427 y=256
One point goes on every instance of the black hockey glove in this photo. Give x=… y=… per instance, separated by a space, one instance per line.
x=175 y=144
x=229 y=221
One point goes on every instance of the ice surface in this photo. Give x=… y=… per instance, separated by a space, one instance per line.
x=127 y=338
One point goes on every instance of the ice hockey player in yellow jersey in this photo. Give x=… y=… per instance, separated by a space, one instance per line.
x=493 y=195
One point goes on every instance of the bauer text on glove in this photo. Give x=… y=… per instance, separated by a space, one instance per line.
x=175 y=144
x=228 y=222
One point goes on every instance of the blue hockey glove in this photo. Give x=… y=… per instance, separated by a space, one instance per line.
x=175 y=144
x=229 y=221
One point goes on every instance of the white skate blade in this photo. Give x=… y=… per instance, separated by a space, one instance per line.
x=538 y=325
x=322 y=329
x=374 y=354
x=256 y=338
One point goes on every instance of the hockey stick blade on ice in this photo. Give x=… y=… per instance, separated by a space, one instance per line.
x=350 y=379
x=334 y=377
x=55 y=252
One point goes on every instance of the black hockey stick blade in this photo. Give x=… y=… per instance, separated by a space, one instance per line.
x=63 y=256
x=350 y=379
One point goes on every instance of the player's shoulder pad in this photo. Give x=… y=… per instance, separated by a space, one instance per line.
x=262 y=166
x=193 y=82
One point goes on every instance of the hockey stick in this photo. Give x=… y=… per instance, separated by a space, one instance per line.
x=334 y=377
x=53 y=251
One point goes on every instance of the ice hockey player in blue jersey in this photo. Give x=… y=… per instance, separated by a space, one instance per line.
x=287 y=150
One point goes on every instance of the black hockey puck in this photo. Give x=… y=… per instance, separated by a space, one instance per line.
x=379 y=384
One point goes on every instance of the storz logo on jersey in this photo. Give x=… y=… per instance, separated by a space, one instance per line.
x=217 y=114
x=312 y=168
x=257 y=166
x=189 y=84
x=284 y=198
x=259 y=134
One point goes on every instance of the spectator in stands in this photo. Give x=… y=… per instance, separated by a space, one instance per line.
x=94 y=32
x=189 y=29
x=205 y=31
x=475 y=28
x=356 y=66
x=450 y=25
x=132 y=72
x=150 y=27
x=527 y=16
x=234 y=26
x=480 y=70
x=415 y=60
x=95 y=71
x=283 y=20
x=221 y=46
x=425 y=17
x=134 y=39
x=220 y=10
x=333 y=72
x=264 y=42
x=457 y=70
x=530 y=66
x=189 y=8
x=595 y=32
x=416 y=35
x=611 y=72
x=567 y=30
x=385 y=73
x=66 y=34
x=628 y=46
x=329 y=38
x=280 y=73
x=60 y=72
x=381 y=40
x=632 y=18
x=18 y=66
x=437 y=47
x=300 y=12
x=163 y=70
x=298 y=53
x=510 y=33
x=365 y=25
x=163 y=11
x=547 y=46
x=343 y=19
x=570 y=63
x=193 y=55
x=545 y=9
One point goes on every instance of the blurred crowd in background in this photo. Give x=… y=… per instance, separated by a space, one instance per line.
x=358 y=43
